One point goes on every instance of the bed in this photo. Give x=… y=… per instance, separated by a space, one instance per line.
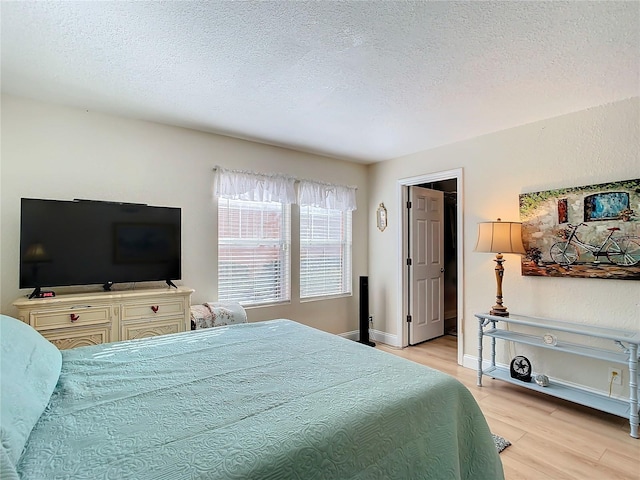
x=266 y=400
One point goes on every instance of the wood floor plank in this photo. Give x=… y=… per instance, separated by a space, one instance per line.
x=506 y=430
x=567 y=463
x=613 y=431
x=615 y=459
x=551 y=438
x=515 y=469
x=571 y=435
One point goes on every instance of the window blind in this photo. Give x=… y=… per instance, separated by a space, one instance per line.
x=254 y=260
x=325 y=252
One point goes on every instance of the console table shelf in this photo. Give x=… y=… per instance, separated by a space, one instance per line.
x=626 y=341
x=566 y=347
x=583 y=397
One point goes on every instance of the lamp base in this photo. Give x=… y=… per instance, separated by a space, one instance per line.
x=499 y=311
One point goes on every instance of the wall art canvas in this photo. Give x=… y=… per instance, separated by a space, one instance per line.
x=589 y=232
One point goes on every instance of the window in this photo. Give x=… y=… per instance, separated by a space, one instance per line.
x=254 y=259
x=254 y=237
x=325 y=252
x=605 y=205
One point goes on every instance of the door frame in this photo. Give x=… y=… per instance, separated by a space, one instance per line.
x=402 y=270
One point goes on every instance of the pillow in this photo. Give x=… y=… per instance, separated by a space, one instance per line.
x=29 y=370
x=7 y=468
x=227 y=313
x=217 y=314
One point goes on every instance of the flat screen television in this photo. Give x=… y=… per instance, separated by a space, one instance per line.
x=85 y=242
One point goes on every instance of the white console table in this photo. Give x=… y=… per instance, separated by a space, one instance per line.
x=627 y=342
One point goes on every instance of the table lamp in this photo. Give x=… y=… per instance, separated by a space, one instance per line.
x=500 y=237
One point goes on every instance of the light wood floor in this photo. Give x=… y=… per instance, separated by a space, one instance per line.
x=551 y=438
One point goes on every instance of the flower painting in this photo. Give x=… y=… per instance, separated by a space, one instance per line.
x=590 y=232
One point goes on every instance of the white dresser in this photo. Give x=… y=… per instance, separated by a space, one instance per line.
x=80 y=319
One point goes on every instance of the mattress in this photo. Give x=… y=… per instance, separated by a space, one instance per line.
x=267 y=400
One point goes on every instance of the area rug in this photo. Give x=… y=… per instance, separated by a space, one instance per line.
x=501 y=443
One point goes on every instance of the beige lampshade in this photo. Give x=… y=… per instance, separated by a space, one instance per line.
x=500 y=237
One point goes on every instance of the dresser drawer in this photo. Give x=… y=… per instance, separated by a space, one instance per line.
x=151 y=309
x=78 y=337
x=71 y=317
x=151 y=328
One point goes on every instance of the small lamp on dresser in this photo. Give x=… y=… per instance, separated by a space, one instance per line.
x=499 y=238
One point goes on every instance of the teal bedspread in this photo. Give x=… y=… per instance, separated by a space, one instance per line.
x=268 y=400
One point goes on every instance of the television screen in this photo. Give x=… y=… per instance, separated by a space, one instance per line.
x=84 y=242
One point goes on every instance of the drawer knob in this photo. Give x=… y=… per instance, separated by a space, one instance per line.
x=74 y=317
x=155 y=308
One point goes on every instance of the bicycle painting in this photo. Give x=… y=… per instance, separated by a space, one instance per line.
x=589 y=232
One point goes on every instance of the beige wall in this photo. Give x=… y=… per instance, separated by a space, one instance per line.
x=63 y=153
x=55 y=152
x=596 y=145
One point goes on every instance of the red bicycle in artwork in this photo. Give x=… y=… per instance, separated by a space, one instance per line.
x=620 y=250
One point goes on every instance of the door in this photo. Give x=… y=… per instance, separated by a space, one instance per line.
x=426 y=266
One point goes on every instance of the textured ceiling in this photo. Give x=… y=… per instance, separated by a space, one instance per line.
x=364 y=81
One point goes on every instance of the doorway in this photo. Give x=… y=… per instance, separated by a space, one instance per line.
x=450 y=252
x=450 y=183
x=425 y=263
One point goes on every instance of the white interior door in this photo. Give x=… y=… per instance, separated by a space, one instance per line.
x=426 y=270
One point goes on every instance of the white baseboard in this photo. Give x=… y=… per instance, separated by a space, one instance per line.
x=352 y=335
x=384 y=337
x=471 y=362
x=375 y=336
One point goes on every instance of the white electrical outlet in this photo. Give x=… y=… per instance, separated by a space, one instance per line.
x=616 y=373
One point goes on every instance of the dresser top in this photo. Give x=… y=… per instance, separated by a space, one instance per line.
x=103 y=296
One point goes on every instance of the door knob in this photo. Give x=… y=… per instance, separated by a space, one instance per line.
x=442 y=270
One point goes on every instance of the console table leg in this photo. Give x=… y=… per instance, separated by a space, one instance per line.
x=633 y=390
x=480 y=326
x=493 y=347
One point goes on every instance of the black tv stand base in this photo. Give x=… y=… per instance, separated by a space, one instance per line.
x=107 y=286
x=39 y=293
x=36 y=293
x=171 y=284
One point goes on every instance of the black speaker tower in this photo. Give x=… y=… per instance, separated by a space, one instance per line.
x=364 y=312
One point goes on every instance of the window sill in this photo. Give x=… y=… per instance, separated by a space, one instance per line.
x=325 y=297
x=263 y=305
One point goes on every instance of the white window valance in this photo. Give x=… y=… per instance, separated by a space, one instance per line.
x=257 y=187
x=325 y=195
x=263 y=187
